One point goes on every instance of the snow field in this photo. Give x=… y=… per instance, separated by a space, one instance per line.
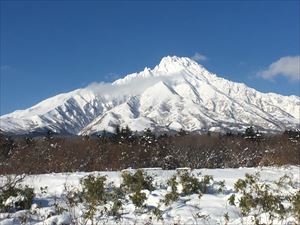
x=209 y=209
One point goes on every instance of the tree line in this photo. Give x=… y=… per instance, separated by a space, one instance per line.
x=125 y=148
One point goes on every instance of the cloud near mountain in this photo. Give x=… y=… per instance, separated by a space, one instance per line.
x=288 y=67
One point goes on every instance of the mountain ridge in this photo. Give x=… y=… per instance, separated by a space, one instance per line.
x=176 y=94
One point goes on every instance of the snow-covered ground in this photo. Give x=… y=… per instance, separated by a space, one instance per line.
x=209 y=209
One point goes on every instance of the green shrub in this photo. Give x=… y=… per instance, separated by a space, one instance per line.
x=93 y=189
x=173 y=195
x=73 y=198
x=190 y=185
x=231 y=199
x=138 y=198
x=296 y=205
x=221 y=186
x=136 y=182
x=240 y=185
x=116 y=195
x=93 y=194
x=116 y=207
x=158 y=213
x=205 y=183
x=226 y=218
x=283 y=181
x=247 y=202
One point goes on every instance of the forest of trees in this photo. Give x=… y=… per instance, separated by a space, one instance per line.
x=125 y=148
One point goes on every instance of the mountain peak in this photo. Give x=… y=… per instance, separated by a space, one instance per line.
x=169 y=65
x=173 y=64
x=185 y=61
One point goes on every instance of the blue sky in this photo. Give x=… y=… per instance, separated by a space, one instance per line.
x=53 y=47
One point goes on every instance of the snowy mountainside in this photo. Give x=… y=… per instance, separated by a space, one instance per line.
x=64 y=113
x=177 y=93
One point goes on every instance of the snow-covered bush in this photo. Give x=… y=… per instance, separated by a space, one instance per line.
x=116 y=207
x=173 y=195
x=296 y=205
x=14 y=196
x=134 y=184
x=93 y=195
x=116 y=197
x=255 y=198
x=138 y=198
x=93 y=189
x=70 y=205
x=189 y=184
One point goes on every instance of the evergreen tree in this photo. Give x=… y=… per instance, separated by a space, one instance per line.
x=250 y=132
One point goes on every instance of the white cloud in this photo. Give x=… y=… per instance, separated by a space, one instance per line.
x=288 y=67
x=135 y=87
x=199 y=57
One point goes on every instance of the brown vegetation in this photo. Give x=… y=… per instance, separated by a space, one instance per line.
x=122 y=150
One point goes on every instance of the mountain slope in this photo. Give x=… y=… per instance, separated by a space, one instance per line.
x=64 y=113
x=177 y=93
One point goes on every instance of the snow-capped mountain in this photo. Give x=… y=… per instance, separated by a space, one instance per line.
x=177 y=93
